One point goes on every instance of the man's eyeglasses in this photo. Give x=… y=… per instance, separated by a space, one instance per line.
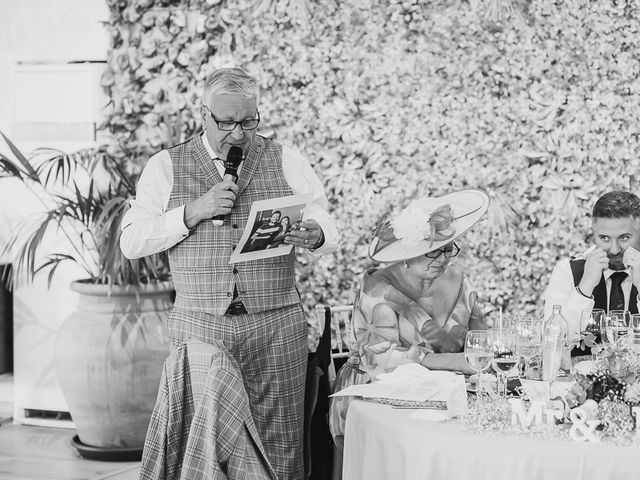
x=229 y=125
x=449 y=251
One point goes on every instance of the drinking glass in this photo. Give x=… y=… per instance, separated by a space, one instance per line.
x=617 y=325
x=622 y=314
x=527 y=340
x=604 y=323
x=505 y=357
x=590 y=321
x=633 y=335
x=478 y=352
x=510 y=322
x=632 y=339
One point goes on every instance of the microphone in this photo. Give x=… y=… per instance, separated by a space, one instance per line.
x=234 y=157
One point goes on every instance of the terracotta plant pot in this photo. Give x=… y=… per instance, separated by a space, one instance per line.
x=108 y=357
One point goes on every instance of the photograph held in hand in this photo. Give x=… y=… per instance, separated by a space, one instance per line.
x=270 y=226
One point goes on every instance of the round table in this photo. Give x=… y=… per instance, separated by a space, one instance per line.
x=383 y=443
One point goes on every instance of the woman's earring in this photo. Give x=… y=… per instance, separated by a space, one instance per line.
x=406 y=265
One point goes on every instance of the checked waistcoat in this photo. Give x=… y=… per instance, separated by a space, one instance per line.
x=203 y=279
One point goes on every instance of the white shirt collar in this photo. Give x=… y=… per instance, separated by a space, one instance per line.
x=217 y=161
x=608 y=272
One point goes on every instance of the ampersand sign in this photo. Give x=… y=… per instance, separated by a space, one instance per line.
x=582 y=429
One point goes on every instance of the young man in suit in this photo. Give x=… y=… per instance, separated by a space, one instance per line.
x=607 y=275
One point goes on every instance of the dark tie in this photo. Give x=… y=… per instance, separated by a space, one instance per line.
x=616 y=297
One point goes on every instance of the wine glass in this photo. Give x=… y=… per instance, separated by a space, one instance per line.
x=623 y=315
x=527 y=340
x=505 y=357
x=590 y=324
x=510 y=322
x=634 y=323
x=478 y=352
x=590 y=321
x=633 y=335
x=604 y=322
x=616 y=325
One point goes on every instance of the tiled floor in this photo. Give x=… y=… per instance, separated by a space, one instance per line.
x=34 y=453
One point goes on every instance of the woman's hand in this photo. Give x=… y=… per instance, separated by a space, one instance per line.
x=454 y=362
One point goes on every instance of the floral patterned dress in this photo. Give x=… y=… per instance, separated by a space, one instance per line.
x=434 y=323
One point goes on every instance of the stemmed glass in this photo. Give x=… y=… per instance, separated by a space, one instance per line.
x=505 y=357
x=478 y=352
x=590 y=321
x=604 y=324
x=510 y=322
x=633 y=335
x=616 y=324
x=622 y=314
x=527 y=340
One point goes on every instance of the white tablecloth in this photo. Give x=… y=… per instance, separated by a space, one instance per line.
x=382 y=443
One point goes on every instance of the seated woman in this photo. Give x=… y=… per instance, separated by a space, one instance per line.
x=418 y=308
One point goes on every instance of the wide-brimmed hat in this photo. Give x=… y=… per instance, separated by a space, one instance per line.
x=427 y=225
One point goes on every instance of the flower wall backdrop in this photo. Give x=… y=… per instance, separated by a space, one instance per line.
x=536 y=101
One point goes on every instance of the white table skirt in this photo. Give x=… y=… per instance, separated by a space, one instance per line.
x=382 y=443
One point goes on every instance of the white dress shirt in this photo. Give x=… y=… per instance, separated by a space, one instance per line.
x=562 y=291
x=148 y=227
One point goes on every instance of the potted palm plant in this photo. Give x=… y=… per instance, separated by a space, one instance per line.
x=109 y=352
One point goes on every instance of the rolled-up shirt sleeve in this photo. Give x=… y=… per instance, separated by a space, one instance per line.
x=302 y=179
x=561 y=291
x=148 y=227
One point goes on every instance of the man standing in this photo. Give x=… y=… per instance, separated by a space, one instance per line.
x=252 y=307
x=607 y=275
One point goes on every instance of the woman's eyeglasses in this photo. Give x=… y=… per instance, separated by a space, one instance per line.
x=450 y=250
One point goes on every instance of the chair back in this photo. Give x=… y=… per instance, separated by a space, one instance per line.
x=342 y=337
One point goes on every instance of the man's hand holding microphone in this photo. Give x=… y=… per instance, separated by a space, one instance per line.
x=219 y=200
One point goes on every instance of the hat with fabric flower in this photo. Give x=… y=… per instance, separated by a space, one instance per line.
x=426 y=225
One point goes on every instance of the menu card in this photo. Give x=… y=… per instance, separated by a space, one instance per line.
x=413 y=382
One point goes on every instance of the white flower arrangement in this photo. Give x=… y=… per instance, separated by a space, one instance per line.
x=411 y=224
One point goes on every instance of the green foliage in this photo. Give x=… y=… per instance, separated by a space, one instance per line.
x=394 y=100
x=87 y=212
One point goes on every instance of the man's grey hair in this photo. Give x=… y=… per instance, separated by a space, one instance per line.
x=617 y=204
x=231 y=81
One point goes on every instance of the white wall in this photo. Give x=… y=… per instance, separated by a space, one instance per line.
x=47 y=31
x=40 y=31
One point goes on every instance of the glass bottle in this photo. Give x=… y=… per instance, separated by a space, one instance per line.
x=556 y=326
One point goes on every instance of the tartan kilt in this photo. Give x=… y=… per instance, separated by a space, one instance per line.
x=271 y=350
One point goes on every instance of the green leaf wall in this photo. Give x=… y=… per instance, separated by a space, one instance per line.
x=536 y=101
